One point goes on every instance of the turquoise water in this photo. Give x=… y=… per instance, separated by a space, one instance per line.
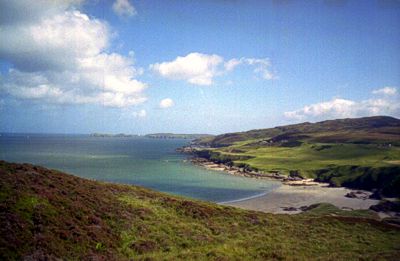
x=151 y=163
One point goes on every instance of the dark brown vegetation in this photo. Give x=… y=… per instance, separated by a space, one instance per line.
x=46 y=214
x=377 y=129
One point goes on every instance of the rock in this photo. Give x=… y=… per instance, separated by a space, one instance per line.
x=290 y=209
x=351 y=194
x=292 y=179
x=295 y=174
x=386 y=206
x=301 y=182
x=357 y=194
x=347 y=208
x=306 y=208
x=303 y=208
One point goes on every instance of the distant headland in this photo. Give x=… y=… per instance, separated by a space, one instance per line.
x=177 y=136
x=153 y=136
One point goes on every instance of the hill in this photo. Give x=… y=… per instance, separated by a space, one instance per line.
x=367 y=130
x=46 y=214
x=357 y=153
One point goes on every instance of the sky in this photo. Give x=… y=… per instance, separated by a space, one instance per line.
x=142 y=66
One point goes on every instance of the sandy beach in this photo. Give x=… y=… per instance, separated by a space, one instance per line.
x=287 y=196
x=293 y=194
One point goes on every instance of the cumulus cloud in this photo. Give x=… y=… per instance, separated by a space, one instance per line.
x=63 y=58
x=28 y=11
x=386 y=91
x=124 y=8
x=201 y=69
x=166 y=103
x=195 y=68
x=55 y=43
x=342 y=108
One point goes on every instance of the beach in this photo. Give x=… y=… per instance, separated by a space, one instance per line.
x=293 y=194
x=288 y=199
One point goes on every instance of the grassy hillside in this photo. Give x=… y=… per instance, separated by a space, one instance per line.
x=376 y=130
x=363 y=153
x=46 y=214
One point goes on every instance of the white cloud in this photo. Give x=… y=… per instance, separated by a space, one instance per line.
x=166 y=103
x=262 y=66
x=195 y=68
x=386 y=91
x=200 y=69
x=28 y=11
x=232 y=63
x=124 y=8
x=140 y=114
x=335 y=108
x=342 y=108
x=54 y=43
x=63 y=90
x=62 y=59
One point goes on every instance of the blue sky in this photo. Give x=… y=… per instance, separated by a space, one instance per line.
x=77 y=66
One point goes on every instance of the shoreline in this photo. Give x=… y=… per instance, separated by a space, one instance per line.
x=236 y=171
x=293 y=194
x=242 y=199
x=291 y=199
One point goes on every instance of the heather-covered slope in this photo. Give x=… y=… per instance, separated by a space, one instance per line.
x=48 y=214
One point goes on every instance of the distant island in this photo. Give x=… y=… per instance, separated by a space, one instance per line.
x=153 y=136
x=177 y=136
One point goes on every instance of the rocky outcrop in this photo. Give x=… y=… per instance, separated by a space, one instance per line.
x=357 y=194
x=386 y=206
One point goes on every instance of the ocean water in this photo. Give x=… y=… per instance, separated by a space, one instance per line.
x=152 y=163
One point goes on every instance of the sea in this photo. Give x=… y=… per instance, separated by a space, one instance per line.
x=151 y=163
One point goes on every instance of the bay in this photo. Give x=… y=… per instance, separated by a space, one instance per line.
x=152 y=163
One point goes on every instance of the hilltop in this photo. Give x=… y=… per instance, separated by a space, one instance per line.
x=357 y=153
x=46 y=214
x=367 y=130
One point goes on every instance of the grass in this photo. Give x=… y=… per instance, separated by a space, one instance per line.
x=325 y=209
x=368 y=130
x=47 y=214
x=311 y=157
x=363 y=166
x=359 y=153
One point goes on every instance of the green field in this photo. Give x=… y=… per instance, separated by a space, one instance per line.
x=45 y=214
x=310 y=157
x=360 y=153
